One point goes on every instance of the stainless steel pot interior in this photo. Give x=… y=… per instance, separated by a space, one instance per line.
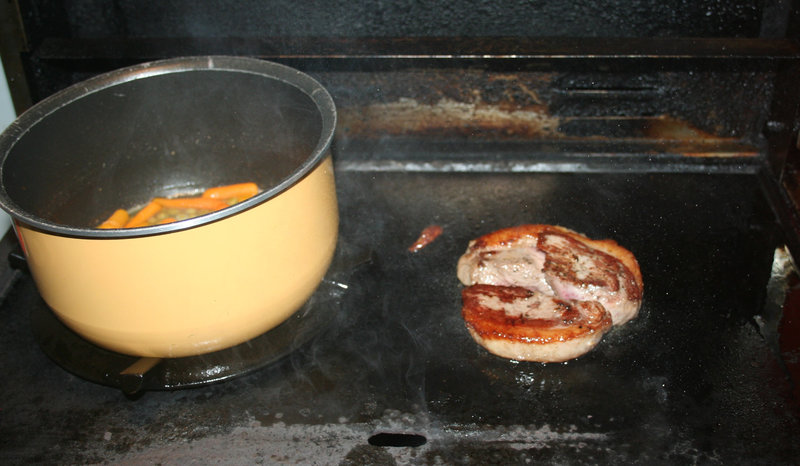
x=162 y=128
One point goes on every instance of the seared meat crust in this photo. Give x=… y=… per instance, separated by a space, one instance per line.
x=521 y=324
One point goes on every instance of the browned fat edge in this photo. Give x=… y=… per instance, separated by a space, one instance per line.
x=496 y=324
x=506 y=236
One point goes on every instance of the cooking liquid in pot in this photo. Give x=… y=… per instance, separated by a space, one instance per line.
x=166 y=210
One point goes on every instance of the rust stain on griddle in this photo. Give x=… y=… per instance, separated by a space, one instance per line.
x=684 y=138
x=665 y=127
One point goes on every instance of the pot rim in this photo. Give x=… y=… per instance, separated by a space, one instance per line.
x=293 y=77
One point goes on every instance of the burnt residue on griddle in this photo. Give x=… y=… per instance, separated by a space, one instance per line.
x=467 y=103
x=674 y=110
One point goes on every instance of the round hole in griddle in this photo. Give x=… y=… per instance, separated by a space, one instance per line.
x=397 y=439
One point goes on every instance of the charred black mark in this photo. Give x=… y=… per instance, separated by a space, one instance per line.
x=397 y=439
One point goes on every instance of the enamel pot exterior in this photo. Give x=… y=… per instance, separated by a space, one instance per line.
x=198 y=285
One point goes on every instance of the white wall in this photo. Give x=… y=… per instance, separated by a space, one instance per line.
x=7 y=115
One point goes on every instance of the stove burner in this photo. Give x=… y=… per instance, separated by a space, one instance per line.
x=134 y=374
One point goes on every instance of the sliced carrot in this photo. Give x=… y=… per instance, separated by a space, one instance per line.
x=191 y=203
x=166 y=220
x=141 y=217
x=212 y=199
x=239 y=191
x=117 y=220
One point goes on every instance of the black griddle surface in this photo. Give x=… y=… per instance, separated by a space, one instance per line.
x=691 y=380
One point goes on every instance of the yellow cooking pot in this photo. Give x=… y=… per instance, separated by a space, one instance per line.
x=159 y=129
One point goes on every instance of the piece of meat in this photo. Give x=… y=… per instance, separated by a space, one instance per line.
x=557 y=261
x=546 y=293
x=521 y=324
x=576 y=268
x=492 y=260
x=426 y=237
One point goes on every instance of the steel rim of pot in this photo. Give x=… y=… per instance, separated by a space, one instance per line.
x=270 y=70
